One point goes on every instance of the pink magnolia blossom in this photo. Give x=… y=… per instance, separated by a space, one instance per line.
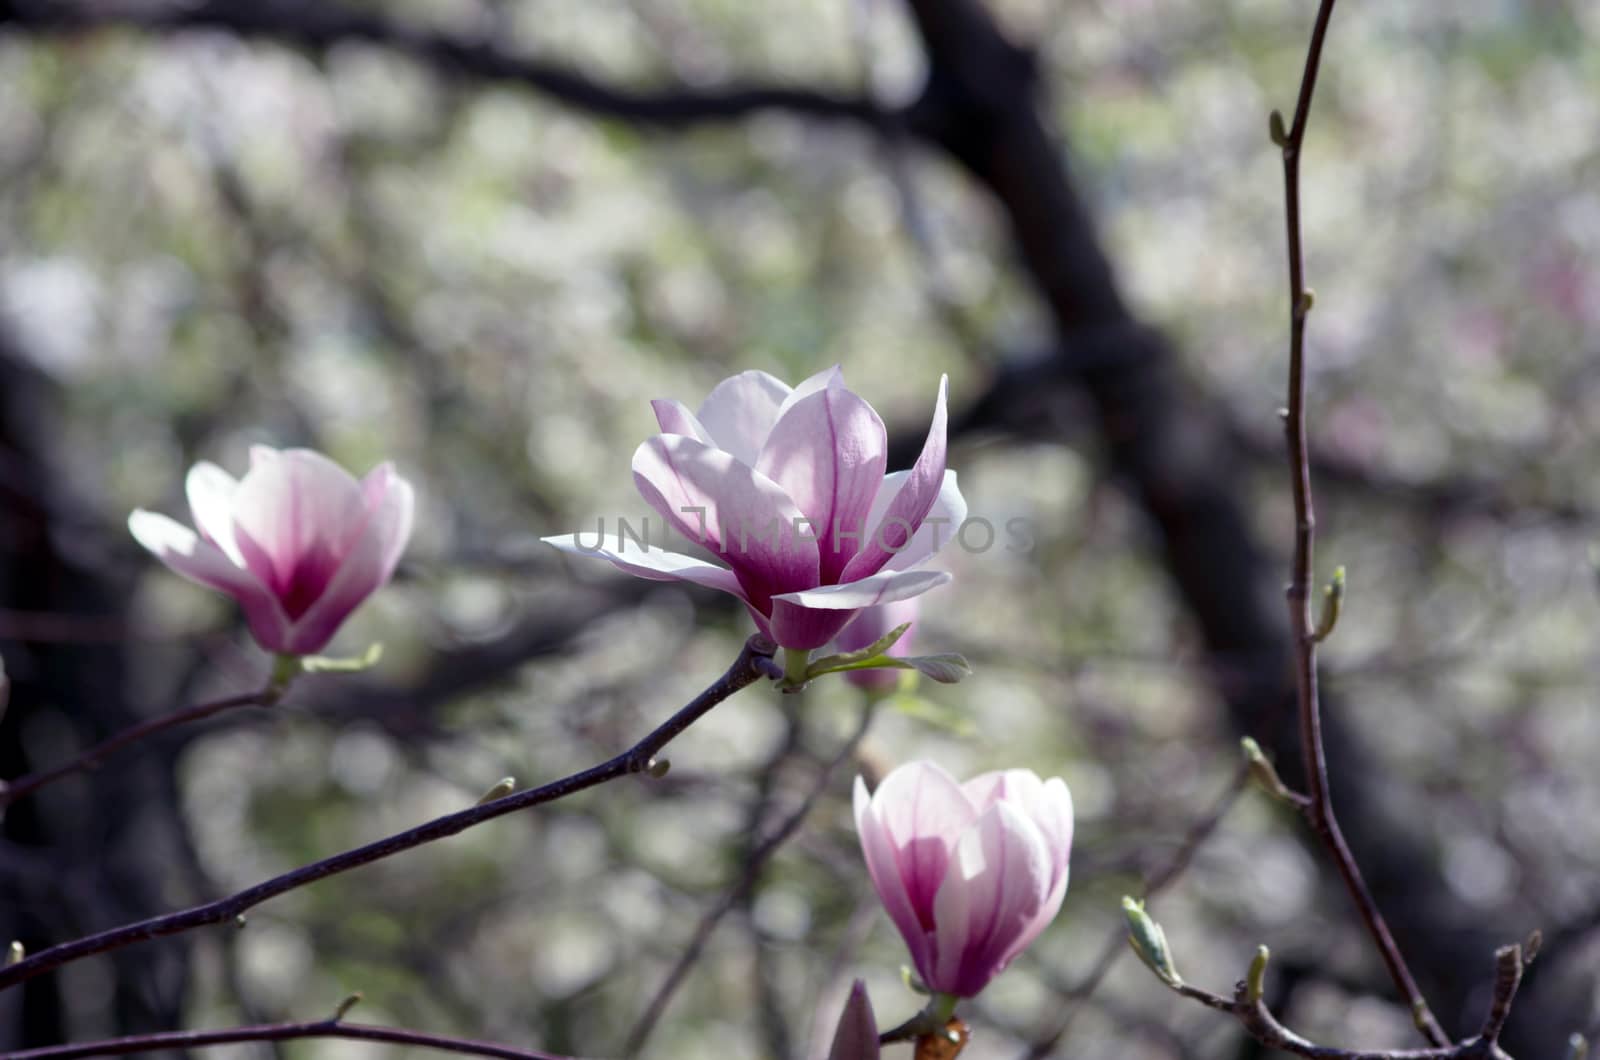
x=857 y=1035
x=970 y=873
x=297 y=541
x=867 y=628
x=788 y=487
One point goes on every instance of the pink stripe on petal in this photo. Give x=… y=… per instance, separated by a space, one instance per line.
x=295 y=515
x=191 y=556
x=828 y=452
x=998 y=876
x=883 y=866
x=714 y=500
x=364 y=564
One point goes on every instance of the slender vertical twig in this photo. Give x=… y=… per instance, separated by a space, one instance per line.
x=1319 y=809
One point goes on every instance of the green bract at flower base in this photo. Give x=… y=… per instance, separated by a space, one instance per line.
x=946 y=668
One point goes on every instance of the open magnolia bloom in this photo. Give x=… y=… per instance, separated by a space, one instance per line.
x=970 y=873
x=297 y=541
x=788 y=488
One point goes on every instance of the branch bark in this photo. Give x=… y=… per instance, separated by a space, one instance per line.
x=753 y=663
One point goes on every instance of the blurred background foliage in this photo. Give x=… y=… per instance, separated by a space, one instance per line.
x=208 y=241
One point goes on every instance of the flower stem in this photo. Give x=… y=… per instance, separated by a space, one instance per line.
x=795 y=662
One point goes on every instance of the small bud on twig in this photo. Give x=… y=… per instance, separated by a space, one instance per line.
x=1530 y=949
x=1265 y=774
x=1332 y=602
x=1275 y=129
x=505 y=786
x=658 y=767
x=346 y=1005
x=1255 y=979
x=1149 y=942
x=15 y=953
x=240 y=922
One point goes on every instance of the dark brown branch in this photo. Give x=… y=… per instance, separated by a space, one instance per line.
x=280 y=1032
x=754 y=662
x=12 y=790
x=321 y=26
x=1319 y=811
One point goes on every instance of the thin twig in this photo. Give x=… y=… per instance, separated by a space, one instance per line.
x=753 y=865
x=1257 y=1019
x=753 y=663
x=1319 y=811
x=280 y=1032
x=12 y=790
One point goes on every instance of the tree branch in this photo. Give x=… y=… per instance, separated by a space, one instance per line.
x=12 y=790
x=1248 y=1007
x=280 y=1032
x=1303 y=628
x=754 y=661
x=321 y=26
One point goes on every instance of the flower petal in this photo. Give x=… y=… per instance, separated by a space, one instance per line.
x=911 y=505
x=939 y=527
x=879 y=851
x=740 y=411
x=211 y=492
x=295 y=515
x=810 y=618
x=828 y=452
x=648 y=561
x=924 y=812
x=717 y=501
x=675 y=418
x=996 y=883
x=197 y=559
x=810 y=385
x=365 y=564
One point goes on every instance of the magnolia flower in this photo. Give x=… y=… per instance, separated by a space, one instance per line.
x=867 y=628
x=788 y=487
x=970 y=873
x=297 y=541
x=857 y=1035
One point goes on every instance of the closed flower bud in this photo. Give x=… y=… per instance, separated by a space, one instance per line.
x=970 y=873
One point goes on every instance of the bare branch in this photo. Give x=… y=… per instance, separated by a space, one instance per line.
x=753 y=663
x=280 y=1032
x=321 y=26
x=12 y=790
x=1319 y=810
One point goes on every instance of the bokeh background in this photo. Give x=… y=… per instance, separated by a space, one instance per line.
x=314 y=224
